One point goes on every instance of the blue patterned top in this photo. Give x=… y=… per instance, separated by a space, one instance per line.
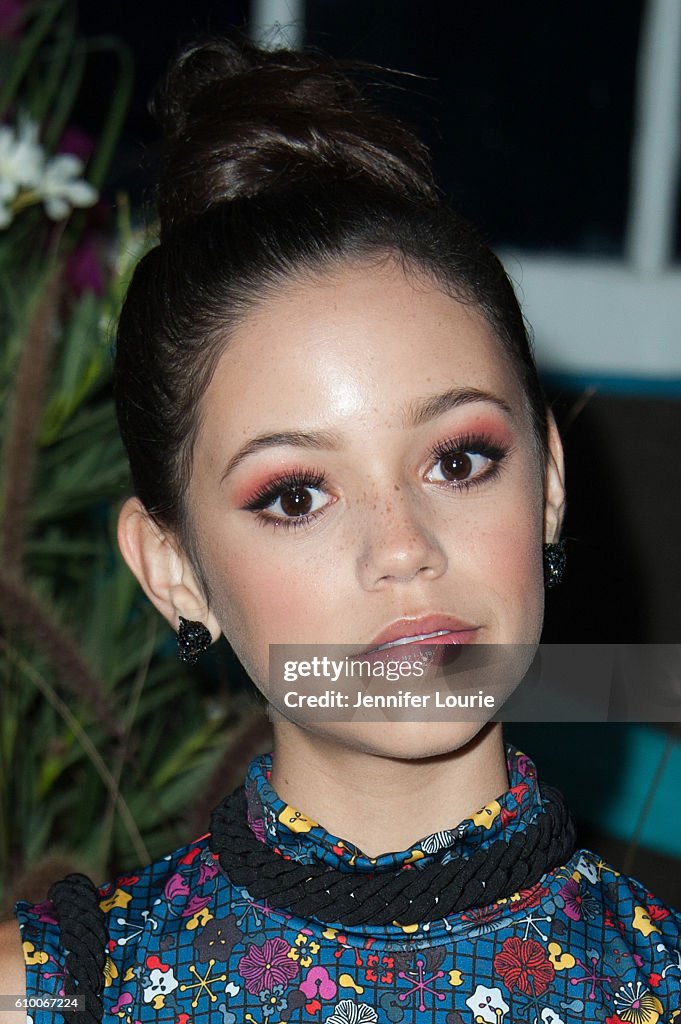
x=185 y=945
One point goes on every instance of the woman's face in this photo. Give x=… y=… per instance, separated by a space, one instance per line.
x=365 y=457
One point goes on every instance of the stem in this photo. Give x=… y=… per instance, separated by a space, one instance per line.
x=22 y=431
x=135 y=696
x=26 y=53
x=100 y=767
x=118 y=108
x=22 y=610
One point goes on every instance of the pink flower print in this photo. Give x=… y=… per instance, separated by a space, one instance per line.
x=578 y=904
x=196 y=903
x=207 y=868
x=175 y=886
x=45 y=912
x=267 y=965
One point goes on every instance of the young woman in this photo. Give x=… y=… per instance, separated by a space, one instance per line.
x=337 y=436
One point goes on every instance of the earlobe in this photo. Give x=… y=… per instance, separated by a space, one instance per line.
x=554 y=483
x=161 y=568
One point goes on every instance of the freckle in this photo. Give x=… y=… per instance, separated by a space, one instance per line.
x=397 y=487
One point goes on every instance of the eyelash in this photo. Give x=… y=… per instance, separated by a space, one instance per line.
x=473 y=444
x=268 y=493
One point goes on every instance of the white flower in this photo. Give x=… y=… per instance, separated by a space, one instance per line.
x=22 y=161
x=24 y=168
x=61 y=188
x=487 y=1005
x=21 y=155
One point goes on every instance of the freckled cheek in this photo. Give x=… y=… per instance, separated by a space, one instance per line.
x=266 y=600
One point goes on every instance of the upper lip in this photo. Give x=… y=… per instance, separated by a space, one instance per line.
x=417 y=626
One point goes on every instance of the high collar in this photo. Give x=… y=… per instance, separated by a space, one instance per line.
x=294 y=835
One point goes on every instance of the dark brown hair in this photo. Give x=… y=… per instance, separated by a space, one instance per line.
x=275 y=165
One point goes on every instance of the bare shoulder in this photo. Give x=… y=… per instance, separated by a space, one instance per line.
x=12 y=969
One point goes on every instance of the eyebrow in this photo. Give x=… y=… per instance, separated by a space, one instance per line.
x=318 y=439
x=415 y=414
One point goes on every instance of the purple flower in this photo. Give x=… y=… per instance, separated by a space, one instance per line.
x=10 y=18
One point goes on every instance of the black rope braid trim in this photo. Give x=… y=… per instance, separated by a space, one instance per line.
x=84 y=935
x=405 y=896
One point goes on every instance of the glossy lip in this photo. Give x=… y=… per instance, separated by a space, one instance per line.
x=457 y=632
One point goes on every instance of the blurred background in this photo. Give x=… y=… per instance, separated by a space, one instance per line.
x=557 y=129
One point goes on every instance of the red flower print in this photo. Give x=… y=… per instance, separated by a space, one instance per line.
x=267 y=965
x=379 y=968
x=524 y=965
x=520 y=792
x=656 y=913
x=528 y=898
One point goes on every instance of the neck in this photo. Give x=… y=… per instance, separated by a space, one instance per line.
x=385 y=804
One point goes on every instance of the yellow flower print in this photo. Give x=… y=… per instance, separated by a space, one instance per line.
x=110 y=972
x=637 y=1005
x=201 y=917
x=561 y=961
x=295 y=820
x=303 y=949
x=120 y=898
x=642 y=922
x=455 y=978
x=488 y=814
x=33 y=955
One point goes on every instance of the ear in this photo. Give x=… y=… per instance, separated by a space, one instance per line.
x=554 y=483
x=162 y=568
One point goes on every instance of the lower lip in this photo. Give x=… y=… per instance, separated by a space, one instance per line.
x=420 y=650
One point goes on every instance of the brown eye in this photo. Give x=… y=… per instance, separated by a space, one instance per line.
x=463 y=466
x=456 y=466
x=296 y=502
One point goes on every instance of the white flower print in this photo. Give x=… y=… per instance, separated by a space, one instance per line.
x=550 y=1016
x=160 y=983
x=487 y=1005
x=349 y=1012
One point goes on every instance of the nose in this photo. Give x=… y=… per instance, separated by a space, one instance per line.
x=397 y=543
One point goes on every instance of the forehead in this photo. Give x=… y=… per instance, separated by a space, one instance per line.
x=353 y=345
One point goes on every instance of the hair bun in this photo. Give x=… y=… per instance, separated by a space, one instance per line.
x=239 y=121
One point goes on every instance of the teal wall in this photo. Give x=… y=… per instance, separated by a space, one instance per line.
x=606 y=772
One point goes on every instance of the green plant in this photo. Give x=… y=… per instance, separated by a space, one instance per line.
x=104 y=741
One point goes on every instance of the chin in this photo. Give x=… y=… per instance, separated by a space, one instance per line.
x=407 y=741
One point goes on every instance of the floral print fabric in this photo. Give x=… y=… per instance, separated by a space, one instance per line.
x=185 y=945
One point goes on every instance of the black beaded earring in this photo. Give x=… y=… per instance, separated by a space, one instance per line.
x=555 y=560
x=192 y=640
